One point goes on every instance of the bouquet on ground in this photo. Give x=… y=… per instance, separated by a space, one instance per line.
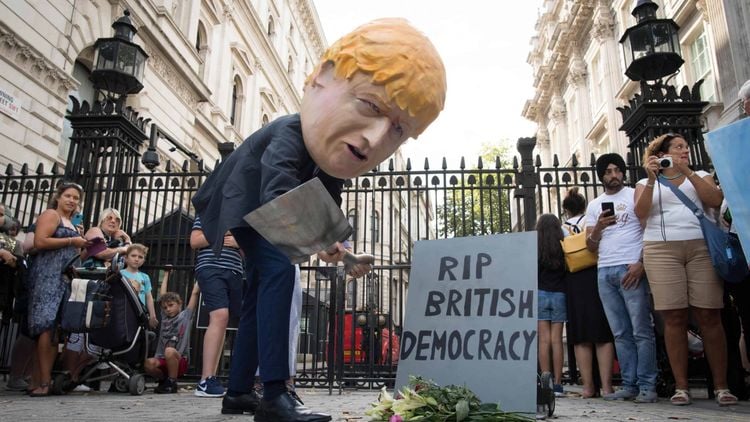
x=423 y=400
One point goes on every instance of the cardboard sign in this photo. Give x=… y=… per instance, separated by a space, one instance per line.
x=471 y=317
x=729 y=148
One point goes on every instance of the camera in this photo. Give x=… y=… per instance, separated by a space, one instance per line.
x=665 y=162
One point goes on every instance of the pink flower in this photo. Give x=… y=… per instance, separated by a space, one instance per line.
x=396 y=418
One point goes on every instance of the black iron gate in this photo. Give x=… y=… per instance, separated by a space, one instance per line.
x=350 y=328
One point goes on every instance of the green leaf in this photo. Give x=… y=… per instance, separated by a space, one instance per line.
x=462 y=410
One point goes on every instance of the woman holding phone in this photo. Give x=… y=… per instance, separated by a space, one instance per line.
x=57 y=241
x=677 y=262
x=115 y=240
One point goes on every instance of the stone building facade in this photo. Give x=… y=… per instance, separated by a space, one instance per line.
x=579 y=69
x=217 y=69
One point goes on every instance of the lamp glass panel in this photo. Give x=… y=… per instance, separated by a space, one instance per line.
x=139 y=61
x=126 y=59
x=662 y=37
x=641 y=41
x=106 y=55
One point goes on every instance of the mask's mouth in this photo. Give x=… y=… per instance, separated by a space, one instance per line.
x=356 y=153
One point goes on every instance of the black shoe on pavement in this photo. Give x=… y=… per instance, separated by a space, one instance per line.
x=166 y=386
x=285 y=408
x=237 y=405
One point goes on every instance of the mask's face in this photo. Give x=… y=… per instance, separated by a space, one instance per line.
x=348 y=125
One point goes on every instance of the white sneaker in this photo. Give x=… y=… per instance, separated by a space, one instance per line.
x=82 y=388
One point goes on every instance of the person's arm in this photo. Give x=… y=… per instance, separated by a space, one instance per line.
x=706 y=189
x=164 y=282
x=152 y=321
x=198 y=239
x=193 y=301
x=109 y=253
x=8 y=258
x=45 y=229
x=28 y=244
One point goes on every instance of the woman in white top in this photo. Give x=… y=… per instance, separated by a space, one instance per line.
x=677 y=261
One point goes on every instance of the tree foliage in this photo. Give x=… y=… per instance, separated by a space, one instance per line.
x=479 y=201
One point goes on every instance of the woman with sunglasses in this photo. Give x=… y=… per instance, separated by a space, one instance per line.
x=675 y=256
x=57 y=241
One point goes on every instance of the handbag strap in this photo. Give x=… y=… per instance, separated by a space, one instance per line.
x=574 y=228
x=685 y=200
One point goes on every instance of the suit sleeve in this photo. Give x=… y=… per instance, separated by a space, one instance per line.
x=280 y=166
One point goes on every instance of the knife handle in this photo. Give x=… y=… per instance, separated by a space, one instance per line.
x=352 y=259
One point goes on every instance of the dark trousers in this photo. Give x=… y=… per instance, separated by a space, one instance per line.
x=263 y=332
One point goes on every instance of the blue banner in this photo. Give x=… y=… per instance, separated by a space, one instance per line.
x=729 y=148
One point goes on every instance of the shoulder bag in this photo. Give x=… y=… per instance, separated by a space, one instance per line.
x=577 y=256
x=725 y=250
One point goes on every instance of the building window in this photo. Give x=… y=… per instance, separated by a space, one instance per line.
x=290 y=67
x=270 y=26
x=85 y=92
x=201 y=45
x=236 y=106
x=700 y=66
x=264 y=120
x=352 y=217
x=375 y=227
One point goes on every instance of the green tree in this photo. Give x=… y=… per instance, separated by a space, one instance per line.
x=479 y=202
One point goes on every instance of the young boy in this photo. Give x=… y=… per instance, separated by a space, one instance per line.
x=135 y=256
x=373 y=89
x=170 y=360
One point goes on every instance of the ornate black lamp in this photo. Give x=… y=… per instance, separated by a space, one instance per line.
x=652 y=46
x=118 y=61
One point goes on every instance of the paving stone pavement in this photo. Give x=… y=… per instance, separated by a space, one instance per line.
x=349 y=406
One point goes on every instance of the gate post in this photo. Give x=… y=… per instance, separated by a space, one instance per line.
x=527 y=181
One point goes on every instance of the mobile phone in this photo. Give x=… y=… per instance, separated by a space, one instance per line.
x=77 y=219
x=608 y=206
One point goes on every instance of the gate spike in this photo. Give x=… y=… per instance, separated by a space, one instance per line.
x=445 y=164
x=538 y=161
x=408 y=164
x=629 y=159
x=25 y=169
x=55 y=168
x=497 y=162
x=185 y=166
x=426 y=164
x=463 y=163
x=593 y=160
x=40 y=169
x=480 y=165
x=9 y=170
x=390 y=164
x=168 y=167
x=555 y=161
x=200 y=166
x=574 y=160
x=515 y=162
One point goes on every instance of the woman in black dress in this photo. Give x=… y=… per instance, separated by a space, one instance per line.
x=588 y=329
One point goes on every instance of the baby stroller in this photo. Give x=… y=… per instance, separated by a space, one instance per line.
x=119 y=348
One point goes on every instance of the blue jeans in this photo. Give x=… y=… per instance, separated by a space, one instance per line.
x=629 y=315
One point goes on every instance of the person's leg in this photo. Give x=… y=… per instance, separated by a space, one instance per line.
x=21 y=360
x=152 y=368
x=245 y=352
x=675 y=339
x=47 y=351
x=557 y=350
x=172 y=356
x=213 y=283
x=584 y=357
x=213 y=341
x=714 y=343
x=639 y=309
x=619 y=321
x=545 y=345
x=605 y=357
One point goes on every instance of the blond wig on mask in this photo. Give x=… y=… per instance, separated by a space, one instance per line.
x=400 y=58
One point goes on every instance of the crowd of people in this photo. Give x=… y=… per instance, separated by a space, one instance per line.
x=653 y=278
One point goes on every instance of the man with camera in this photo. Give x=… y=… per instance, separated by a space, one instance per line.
x=615 y=232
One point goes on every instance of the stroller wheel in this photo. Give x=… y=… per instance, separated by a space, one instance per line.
x=62 y=384
x=137 y=384
x=121 y=384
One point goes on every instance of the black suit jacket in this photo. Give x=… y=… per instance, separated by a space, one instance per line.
x=272 y=161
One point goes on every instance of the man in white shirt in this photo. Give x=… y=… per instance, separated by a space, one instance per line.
x=616 y=234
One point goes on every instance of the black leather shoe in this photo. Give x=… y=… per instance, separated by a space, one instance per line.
x=237 y=405
x=285 y=408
